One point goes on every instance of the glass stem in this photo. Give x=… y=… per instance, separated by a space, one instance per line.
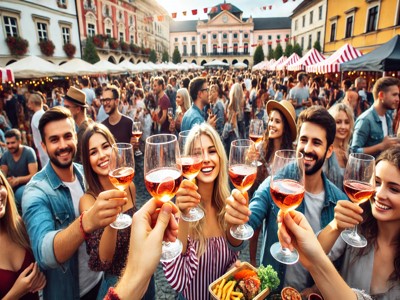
x=354 y=233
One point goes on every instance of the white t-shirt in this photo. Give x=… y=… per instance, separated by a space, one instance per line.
x=384 y=125
x=37 y=139
x=296 y=275
x=87 y=278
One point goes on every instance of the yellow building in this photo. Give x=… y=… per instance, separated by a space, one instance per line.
x=365 y=24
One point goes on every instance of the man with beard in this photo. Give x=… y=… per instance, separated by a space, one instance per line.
x=50 y=207
x=163 y=104
x=373 y=128
x=18 y=164
x=316 y=133
x=119 y=125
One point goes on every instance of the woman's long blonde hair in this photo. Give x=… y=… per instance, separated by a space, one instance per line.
x=12 y=222
x=221 y=189
x=236 y=100
x=334 y=111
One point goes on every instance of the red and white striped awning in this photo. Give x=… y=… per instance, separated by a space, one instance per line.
x=6 y=75
x=290 y=60
x=332 y=64
x=310 y=58
x=272 y=66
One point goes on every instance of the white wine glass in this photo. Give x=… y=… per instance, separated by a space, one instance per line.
x=121 y=173
x=287 y=192
x=137 y=133
x=359 y=185
x=163 y=176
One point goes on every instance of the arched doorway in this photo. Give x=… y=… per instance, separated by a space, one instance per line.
x=11 y=61
x=111 y=59
x=203 y=62
x=132 y=60
x=185 y=60
x=234 y=61
x=61 y=63
x=138 y=61
x=225 y=61
x=121 y=59
x=246 y=62
x=194 y=61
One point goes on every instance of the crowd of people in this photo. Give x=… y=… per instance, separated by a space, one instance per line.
x=57 y=200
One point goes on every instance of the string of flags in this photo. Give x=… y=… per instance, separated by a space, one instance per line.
x=194 y=12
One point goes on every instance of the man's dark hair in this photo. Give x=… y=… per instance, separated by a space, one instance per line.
x=85 y=81
x=13 y=133
x=56 y=113
x=301 y=75
x=320 y=116
x=195 y=85
x=347 y=84
x=254 y=82
x=185 y=82
x=382 y=85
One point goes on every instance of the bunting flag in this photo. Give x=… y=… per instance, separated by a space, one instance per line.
x=225 y=6
x=194 y=12
x=284 y=1
x=270 y=7
x=160 y=18
x=174 y=15
x=184 y=13
x=213 y=9
x=205 y=10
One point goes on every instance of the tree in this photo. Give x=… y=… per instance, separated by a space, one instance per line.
x=297 y=49
x=317 y=46
x=153 y=56
x=176 y=56
x=165 y=56
x=258 y=55
x=278 y=51
x=288 y=49
x=90 y=53
x=271 y=54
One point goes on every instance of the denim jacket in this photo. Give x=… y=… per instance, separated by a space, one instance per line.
x=368 y=130
x=47 y=208
x=193 y=116
x=265 y=212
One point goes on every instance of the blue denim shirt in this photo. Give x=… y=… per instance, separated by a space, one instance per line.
x=368 y=130
x=265 y=212
x=47 y=208
x=193 y=116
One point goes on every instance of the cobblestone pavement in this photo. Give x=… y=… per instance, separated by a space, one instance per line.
x=163 y=289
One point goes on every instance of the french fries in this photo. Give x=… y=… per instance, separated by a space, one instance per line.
x=224 y=290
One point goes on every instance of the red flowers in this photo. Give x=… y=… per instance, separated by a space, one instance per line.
x=17 y=45
x=47 y=47
x=69 y=49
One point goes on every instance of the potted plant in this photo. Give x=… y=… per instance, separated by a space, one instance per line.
x=17 y=45
x=47 y=47
x=69 y=49
x=146 y=51
x=134 y=49
x=124 y=46
x=98 y=40
x=113 y=43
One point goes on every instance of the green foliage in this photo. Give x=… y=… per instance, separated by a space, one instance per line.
x=278 y=51
x=269 y=277
x=165 y=56
x=271 y=54
x=176 y=56
x=153 y=56
x=258 y=55
x=288 y=49
x=89 y=53
x=317 y=46
x=297 y=49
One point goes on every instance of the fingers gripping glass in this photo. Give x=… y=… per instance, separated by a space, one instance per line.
x=287 y=192
x=122 y=171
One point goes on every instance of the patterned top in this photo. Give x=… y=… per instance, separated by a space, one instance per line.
x=117 y=265
x=191 y=275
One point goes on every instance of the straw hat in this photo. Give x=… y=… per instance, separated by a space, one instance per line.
x=76 y=96
x=287 y=109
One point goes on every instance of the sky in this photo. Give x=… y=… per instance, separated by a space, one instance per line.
x=249 y=7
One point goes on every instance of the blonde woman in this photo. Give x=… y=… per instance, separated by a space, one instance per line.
x=183 y=102
x=335 y=165
x=205 y=255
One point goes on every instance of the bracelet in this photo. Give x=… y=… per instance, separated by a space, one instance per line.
x=84 y=234
x=111 y=294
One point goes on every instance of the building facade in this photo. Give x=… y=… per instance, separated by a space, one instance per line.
x=308 y=23
x=363 y=24
x=227 y=36
x=38 y=22
x=124 y=29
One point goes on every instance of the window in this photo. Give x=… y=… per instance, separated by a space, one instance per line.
x=309 y=41
x=66 y=34
x=302 y=42
x=11 y=26
x=184 y=38
x=349 y=27
x=270 y=37
x=319 y=37
x=131 y=20
x=295 y=24
x=121 y=36
x=184 y=49
x=225 y=48
x=204 y=36
x=91 y=30
x=42 y=31
x=132 y=39
x=176 y=40
x=246 y=35
x=62 y=2
x=214 y=36
x=193 y=49
x=225 y=36
x=333 y=32
x=278 y=37
x=246 y=48
x=215 y=49
x=108 y=32
x=260 y=37
x=372 y=19
x=193 y=38
x=320 y=13
x=235 y=36
x=311 y=16
x=304 y=21
x=235 y=48
x=204 y=49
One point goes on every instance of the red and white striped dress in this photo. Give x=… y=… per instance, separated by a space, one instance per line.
x=191 y=275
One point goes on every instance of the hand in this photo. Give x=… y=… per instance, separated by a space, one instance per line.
x=347 y=215
x=236 y=209
x=172 y=125
x=388 y=142
x=13 y=181
x=187 y=196
x=30 y=280
x=212 y=120
x=296 y=233
x=104 y=210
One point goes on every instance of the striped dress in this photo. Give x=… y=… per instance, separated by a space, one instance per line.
x=191 y=276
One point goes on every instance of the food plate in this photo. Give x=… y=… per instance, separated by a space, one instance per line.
x=245 y=265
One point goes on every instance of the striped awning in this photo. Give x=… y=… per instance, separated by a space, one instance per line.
x=272 y=66
x=290 y=60
x=6 y=75
x=310 y=58
x=332 y=64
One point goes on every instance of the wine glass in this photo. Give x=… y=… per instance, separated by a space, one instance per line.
x=359 y=185
x=163 y=176
x=242 y=173
x=122 y=171
x=256 y=132
x=137 y=133
x=192 y=161
x=170 y=113
x=287 y=192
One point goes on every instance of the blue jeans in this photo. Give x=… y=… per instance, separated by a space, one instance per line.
x=18 y=197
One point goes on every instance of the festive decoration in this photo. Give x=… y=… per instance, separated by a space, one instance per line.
x=47 y=47
x=194 y=12
x=113 y=43
x=69 y=49
x=205 y=10
x=124 y=46
x=134 y=49
x=98 y=40
x=174 y=15
x=17 y=45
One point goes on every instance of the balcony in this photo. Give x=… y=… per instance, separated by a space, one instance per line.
x=89 y=6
